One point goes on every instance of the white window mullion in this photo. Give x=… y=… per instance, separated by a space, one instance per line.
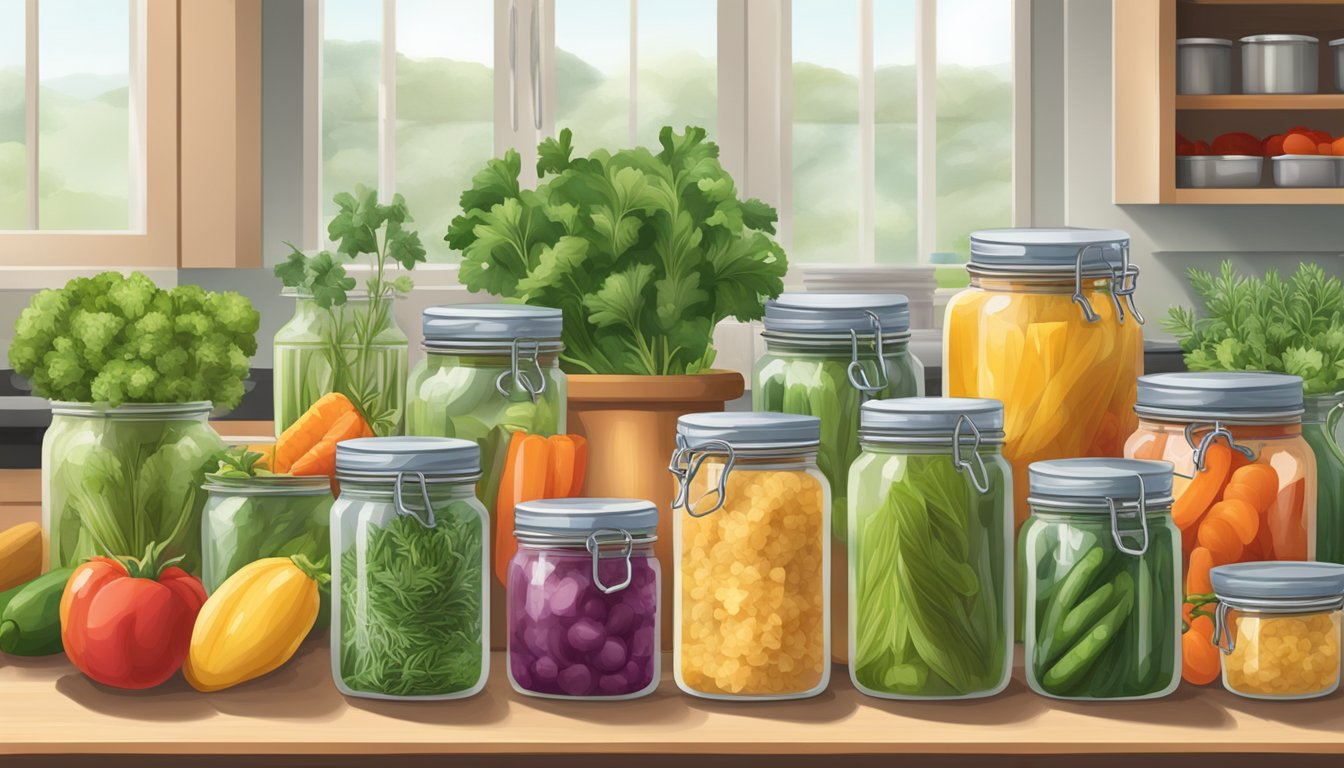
x=315 y=231
x=387 y=104
x=31 y=80
x=926 y=126
x=1022 y=211
x=138 y=166
x=867 y=137
x=634 y=73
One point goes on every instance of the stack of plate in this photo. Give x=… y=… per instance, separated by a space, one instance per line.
x=915 y=281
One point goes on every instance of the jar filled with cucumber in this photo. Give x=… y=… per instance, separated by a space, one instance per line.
x=1101 y=561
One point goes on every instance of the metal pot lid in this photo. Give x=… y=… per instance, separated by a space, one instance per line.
x=1280 y=39
x=757 y=430
x=1092 y=481
x=1337 y=41
x=583 y=516
x=391 y=456
x=1277 y=580
x=490 y=322
x=932 y=416
x=1204 y=41
x=836 y=312
x=1247 y=396
x=1052 y=249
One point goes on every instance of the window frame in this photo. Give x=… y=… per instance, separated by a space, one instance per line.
x=151 y=239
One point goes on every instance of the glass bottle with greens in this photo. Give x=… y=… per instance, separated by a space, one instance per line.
x=930 y=548
x=355 y=348
x=1320 y=428
x=408 y=547
x=116 y=480
x=489 y=370
x=1102 y=562
x=825 y=354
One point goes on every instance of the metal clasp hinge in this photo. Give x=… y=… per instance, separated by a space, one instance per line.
x=428 y=521
x=686 y=463
x=594 y=545
x=1143 y=521
x=534 y=388
x=858 y=377
x=962 y=464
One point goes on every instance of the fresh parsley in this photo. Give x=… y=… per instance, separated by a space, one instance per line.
x=643 y=253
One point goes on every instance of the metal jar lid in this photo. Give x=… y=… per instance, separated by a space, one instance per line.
x=1337 y=41
x=1090 y=482
x=837 y=313
x=1256 y=39
x=1243 y=397
x=910 y=419
x=1219 y=41
x=490 y=323
x=1097 y=251
x=581 y=517
x=1275 y=581
x=748 y=431
x=445 y=459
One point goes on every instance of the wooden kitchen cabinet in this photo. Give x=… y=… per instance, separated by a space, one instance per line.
x=20 y=496
x=1148 y=112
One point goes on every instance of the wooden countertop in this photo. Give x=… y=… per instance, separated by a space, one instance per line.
x=47 y=708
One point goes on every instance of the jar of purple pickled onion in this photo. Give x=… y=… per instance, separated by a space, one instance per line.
x=583 y=599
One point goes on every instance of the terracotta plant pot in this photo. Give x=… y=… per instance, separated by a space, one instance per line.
x=631 y=426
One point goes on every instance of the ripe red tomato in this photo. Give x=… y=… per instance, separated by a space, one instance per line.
x=1237 y=144
x=1274 y=145
x=128 y=623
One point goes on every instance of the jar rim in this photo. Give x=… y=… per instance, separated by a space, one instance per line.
x=268 y=485
x=836 y=340
x=492 y=347
x=146 y=410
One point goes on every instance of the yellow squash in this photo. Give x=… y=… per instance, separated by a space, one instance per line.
x=20 y=555
x=254 y=622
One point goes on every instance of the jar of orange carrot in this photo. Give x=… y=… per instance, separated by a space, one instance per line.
x=1245 y=479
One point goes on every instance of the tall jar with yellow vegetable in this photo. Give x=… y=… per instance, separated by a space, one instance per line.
x=1048 y=326
x=752 y=542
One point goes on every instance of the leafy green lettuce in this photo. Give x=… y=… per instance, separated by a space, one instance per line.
x=644 y=253
x=1265 y=324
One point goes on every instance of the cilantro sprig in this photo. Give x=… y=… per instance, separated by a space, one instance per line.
x=1251 y=323
x=643 y=253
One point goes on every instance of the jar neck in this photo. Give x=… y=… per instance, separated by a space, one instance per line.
x=914 y=449
x=892 y=345
x=385 y=491
x=1318 y=407
x=198 y=411
x=1042 y=284
x=494 y=358
x=1239 y=431
x=783 y=462
x=581 y=550
x=1098 y=515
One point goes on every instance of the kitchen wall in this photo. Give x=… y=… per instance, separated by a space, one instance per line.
x=1071 y=163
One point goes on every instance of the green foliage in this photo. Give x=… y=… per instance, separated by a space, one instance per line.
x=643 y=253
x=237 y=461
x=1265 y=324
x=115 y=339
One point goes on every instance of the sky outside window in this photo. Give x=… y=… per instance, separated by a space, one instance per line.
x=13 y=128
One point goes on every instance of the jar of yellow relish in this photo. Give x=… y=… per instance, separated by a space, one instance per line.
x=752 y=537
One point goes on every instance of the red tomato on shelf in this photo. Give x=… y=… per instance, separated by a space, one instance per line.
x=1237 y=144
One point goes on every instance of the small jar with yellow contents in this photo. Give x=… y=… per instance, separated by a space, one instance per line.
x=1278 y=626
x=752 y=576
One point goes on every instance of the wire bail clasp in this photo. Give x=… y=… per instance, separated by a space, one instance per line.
x=429 y=520
x=686 y=463
x=961 y=463
x=1124 y=282
x=1202 y=447
x=1222 y=632
x=594 y=545
x=1078 y=298
x=1143 y=521
x=858 y=377
x=534 y=388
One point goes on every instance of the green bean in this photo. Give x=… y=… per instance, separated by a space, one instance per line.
x=1079 y=659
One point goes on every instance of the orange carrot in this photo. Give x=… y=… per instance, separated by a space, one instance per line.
x=309 y=429
x=1241 y=516
x=321 y=458
x=1197 y=580
x=504 y=501
x=1220 y=538
x=580 y=464
x=563 y=452
x=1255 y=484
x=1203 y=489
x=1200 y=662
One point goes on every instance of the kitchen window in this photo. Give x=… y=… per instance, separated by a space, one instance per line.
x=79 y=116
x=890 y=124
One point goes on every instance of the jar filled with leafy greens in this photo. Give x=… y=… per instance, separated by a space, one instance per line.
x=930 y=548
x=489 y=370
x=116 y=480
x=247 y=518
x=354 y=347
x=1102 y=562
x=1320 y=428
x=408 y=548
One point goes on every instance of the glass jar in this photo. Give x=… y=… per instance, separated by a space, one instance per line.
x=489 y=370
x=115 y=480
x=1103 y=605
x=1048 y=327
x=1320 y=428
x=752 y=578
x=249 y=518
x=355 y=348
x=408 y=546
x=1231 y=435
x=930 y=543
x=583 y=599
x=1278 y=627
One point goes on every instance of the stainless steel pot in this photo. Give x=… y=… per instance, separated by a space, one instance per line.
x=1279 y=64
x=1203 y=65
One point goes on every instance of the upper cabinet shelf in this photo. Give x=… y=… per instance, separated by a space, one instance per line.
x=1148 y=111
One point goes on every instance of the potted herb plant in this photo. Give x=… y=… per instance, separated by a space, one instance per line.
x=644 y=253
x=342 y=340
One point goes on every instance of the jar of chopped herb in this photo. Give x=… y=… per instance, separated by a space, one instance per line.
x=1101 y=562
x=930 y=545
x=583 y=599
x=408 y=569
x=752 y=537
